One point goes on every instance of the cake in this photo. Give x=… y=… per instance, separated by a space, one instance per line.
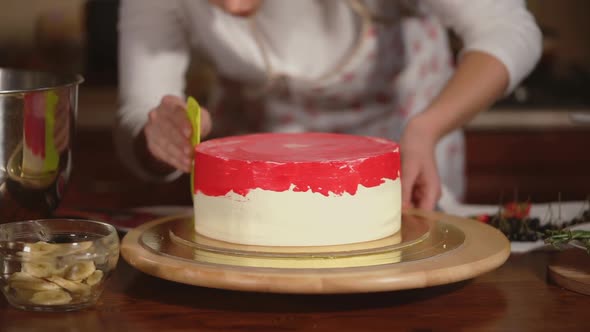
x=297 y=189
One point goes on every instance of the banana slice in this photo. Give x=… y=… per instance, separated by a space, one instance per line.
x=55 y=249
x=85 y=245
x=40 y=248
x=94 y=278
x=24 y=281
x=41 y=268
x=52 y=297
x=72 y=286
x=80 y=271
x=22 y=276
x=22 y=295
x=73 y=248
x=101 y=259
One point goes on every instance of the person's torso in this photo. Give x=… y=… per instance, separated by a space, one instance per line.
x=321 y=65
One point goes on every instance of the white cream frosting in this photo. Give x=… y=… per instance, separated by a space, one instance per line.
x=290 y=218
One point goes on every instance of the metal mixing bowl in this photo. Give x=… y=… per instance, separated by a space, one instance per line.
x=37 y=121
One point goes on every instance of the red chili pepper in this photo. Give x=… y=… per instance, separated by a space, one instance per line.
x=517 y=210
x=485 y=218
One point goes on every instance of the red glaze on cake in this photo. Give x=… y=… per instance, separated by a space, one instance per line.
x=320 y=162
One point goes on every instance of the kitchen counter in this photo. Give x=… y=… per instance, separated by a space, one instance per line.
x=98 y=106
x=531 y=119
x=514 y=297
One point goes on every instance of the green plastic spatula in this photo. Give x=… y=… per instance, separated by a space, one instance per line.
x=51 y=154
x=193 y=110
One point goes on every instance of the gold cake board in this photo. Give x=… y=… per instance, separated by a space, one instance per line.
x=434 y=249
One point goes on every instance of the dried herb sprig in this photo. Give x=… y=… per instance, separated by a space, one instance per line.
x=559 y=238
x=514 y=220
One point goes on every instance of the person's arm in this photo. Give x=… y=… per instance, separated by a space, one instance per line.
x=153 y=58
x=502 y=44
x=479 y=80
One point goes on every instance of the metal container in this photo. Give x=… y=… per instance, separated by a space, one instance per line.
x=37 y=122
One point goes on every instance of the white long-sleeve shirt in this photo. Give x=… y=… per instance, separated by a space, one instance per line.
x=328 y=56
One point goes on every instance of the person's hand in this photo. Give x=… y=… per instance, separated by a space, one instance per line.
x=421 y=186
x=168 y=131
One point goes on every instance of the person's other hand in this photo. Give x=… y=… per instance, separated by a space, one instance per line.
x=421 y=186
x=168 y=131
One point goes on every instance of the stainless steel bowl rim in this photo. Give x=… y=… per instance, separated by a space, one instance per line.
x=63 y=81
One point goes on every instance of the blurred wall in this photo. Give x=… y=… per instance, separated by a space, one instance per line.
x=18 y=18
x=42 y=33
x=80 y=35
x=567 y=29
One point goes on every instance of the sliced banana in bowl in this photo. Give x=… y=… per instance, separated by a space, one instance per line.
x=56 y=264
x=57 y=274
x=23 y=280
x=45 y=249
x=40 y=248
x=80 y=271
x=75 y=248
x=42 y=268
x=77 y=288
x=22 y=277
x=94 y=278
x=51 y=297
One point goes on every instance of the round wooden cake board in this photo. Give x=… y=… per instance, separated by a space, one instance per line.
x=455 y=249
x=570 y=269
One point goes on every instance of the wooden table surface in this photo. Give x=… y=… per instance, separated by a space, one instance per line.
x=515 y=297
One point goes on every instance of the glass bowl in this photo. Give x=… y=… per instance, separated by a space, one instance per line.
x=56 y=264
